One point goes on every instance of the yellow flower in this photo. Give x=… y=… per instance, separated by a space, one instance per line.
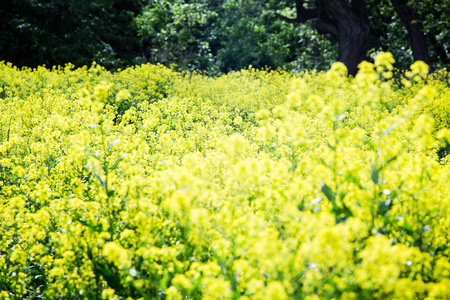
x=109 y=294
x=19 y=256
x=276 y=291
x=181 y=281
x=173 y=294
x=420 y=68
x=262 y=114
x=116 y=254
x=122 y=95
x=4 y=295
x=238 y=120
x=338 y=69
x=385 y=59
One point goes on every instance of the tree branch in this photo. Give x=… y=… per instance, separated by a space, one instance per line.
x=415 y=30
x=303 y=14
x=323 y=26
x=286 y=19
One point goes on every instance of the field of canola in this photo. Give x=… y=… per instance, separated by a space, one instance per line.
x=151 y=184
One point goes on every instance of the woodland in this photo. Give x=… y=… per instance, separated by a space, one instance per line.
x=218 y=36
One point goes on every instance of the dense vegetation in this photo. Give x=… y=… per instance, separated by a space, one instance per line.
x=126 y=180
x=154 y=184
x=212 y=35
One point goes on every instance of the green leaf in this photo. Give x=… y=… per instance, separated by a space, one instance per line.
x=111 y=275
x=351 y=178
x=384 y=207
x=395 y=125
x=95 y=155
x=323 y=162
x=408 y=228
x=110 y=193
x=112 y=144
x=117 y=161
x=374 y=175
x=328 y=192
x=331 y=147
x=97 y=176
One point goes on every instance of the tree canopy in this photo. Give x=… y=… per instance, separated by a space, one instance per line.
x=360 y=25
x=223 y=35
x=55 y=32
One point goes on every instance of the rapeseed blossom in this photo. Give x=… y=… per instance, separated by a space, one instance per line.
x=148 y=183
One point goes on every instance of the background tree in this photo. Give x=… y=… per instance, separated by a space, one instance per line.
x=55 y=32
x=176 y=32
x=435 y=19
x=223 y=35
x=357 y=30
x=219 y=35
x=247 y=33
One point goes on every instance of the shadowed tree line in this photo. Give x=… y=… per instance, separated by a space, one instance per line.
x=223 y=35
x=350 y=23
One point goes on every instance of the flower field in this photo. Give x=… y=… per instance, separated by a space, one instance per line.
x=148 y=183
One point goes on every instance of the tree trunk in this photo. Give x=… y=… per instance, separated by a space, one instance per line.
x=414 y=27
x=352 y=30
x=348 y=23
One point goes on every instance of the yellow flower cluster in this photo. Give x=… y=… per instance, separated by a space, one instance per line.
x=153 y=184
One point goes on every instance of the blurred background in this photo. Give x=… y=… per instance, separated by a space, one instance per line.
x=214 y=36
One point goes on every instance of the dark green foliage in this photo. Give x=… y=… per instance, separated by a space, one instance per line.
x=216 y=35
x=175 y=32
x=390 y=34
x=221 y=36
x=55 y=32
